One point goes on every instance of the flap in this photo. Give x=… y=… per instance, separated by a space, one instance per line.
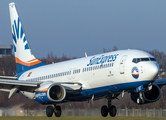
x=72 y=86
x=8 y=84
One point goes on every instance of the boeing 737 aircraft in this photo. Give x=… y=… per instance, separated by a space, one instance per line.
x=105 y=75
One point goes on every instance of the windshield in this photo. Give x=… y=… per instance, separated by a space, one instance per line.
x=137 y=60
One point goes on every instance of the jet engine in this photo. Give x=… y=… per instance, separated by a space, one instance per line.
x=146 y=96
x=50 y=93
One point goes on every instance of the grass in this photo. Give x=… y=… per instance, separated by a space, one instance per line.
x=79 y=118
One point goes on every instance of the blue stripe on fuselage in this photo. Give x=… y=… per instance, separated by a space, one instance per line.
x=113 y=89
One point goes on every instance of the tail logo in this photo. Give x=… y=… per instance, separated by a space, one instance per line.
x=24 y=59
x=135 y=72
x=19 y=35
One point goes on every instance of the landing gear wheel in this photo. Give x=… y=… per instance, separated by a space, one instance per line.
x=104 y=111
x=140 y=101
x=57 y=111
x=49 y=111
x=112 y=111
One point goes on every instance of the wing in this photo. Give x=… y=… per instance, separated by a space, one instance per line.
x=160 y=82
x=12 y=86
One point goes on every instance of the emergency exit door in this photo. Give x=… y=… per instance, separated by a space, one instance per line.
x=122 y=64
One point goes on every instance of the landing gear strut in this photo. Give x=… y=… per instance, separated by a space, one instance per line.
x=111 y=109
x=56 y=110
x=140 y=99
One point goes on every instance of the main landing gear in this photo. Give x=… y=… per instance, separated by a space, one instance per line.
x=56 y=110
x=111 y=109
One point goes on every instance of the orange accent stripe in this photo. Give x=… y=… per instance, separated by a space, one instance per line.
x=44 y=90
x=26 y=63
x=32 y=60
x=135 y=74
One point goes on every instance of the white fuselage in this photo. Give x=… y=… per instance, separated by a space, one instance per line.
x=113 y=69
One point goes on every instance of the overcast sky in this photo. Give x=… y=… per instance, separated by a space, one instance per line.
x=73 y=27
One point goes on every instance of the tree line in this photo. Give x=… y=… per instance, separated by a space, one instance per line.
x=8 y=68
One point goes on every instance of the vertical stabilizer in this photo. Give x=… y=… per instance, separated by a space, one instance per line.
x=23 y=56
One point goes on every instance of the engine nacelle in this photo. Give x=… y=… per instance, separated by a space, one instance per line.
x=50 y=93
x=147 y=96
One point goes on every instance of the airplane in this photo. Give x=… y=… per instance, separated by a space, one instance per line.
x=105 y=75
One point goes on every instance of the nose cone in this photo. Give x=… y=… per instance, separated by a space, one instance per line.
x=151 y=70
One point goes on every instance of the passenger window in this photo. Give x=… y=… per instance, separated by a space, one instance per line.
x=101 y=66
x=104 y=66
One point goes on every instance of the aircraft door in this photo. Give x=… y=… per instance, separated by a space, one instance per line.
x=122 y=64
x=70 y=74
x=71 y=77
x=73 y=74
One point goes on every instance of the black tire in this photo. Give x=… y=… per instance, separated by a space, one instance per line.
x=104 y=111
x=112 y=111
x=58 y=111
x=49 y=111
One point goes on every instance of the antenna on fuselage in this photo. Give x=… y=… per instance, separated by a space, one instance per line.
x=86 y=55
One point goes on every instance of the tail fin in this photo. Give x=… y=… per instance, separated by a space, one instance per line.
x=23 y=56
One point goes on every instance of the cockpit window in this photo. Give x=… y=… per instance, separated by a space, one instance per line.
x=152 y=59
x=134 y=60
x=145 y=59
x=137 y=60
